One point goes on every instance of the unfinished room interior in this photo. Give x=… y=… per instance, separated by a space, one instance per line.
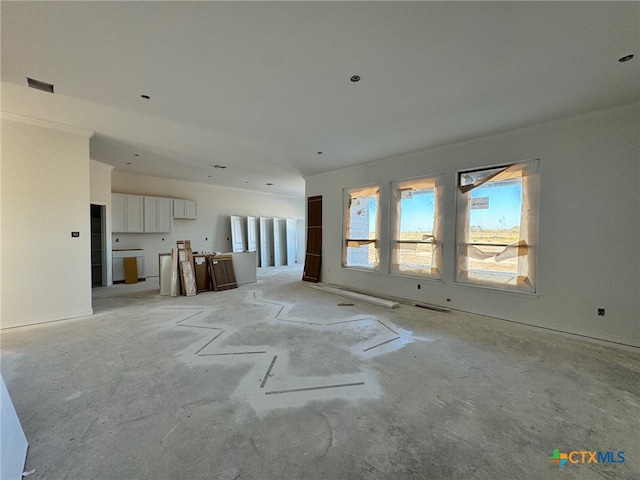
x=320 y=240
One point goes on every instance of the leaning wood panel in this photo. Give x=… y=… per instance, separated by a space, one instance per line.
x=203 y=279
x=222 y=273
x=188 y=278
x=130 y=270
x=313 y=256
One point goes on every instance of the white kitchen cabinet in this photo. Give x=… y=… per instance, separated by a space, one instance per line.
x=185 y=209
x=127 y=213
x=157 y=214
x=118 y=213
x=165 y=217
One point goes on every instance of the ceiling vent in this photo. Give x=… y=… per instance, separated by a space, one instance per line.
x=37 y=84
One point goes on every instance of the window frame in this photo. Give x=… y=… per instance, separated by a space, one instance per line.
x=348 y=195
x=436 y=183
x=525 y=249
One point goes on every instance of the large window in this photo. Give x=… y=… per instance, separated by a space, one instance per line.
x=416 y=245
x=361 y=227
x=497 y=226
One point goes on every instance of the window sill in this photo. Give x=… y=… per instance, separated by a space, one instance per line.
x=497 y=290
x=362 y=269
x=422 y=278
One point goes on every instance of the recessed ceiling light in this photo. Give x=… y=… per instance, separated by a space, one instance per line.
x=269 y=183
x=146 y=97
x=209 y=176
x=219 y=166
x=37 y=84
x=128 y=163
x=626 y=58
x=136 y=154
x=355 y=78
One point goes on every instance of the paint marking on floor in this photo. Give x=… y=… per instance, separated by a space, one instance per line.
x=277 y=392
x=266 y=375
x=380 y=344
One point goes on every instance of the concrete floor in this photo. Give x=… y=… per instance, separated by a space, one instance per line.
x=275 y=380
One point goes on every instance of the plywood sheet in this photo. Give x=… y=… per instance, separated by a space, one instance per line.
x=188 y=279
x=130 y=270
x=203 y=279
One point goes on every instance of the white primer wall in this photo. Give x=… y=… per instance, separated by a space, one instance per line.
x=45 y=196
x=589 y=245
x=212 y=230
x=101 y=195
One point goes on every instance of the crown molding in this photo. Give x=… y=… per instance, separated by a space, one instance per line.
x=38 y=122
x=101 y=165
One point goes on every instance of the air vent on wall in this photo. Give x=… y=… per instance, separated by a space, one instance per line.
x=37 y=84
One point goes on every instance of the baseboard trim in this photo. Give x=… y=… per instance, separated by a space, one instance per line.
x=37 y=321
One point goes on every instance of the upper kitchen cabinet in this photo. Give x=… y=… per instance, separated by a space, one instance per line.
x=185 y=209
x=139 y=214
x=127 y=213
x=157 y=214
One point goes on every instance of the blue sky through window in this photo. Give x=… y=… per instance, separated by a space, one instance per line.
x=505 y=203
x=417 y=212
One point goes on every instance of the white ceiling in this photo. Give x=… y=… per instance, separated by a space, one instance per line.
x=261 y=87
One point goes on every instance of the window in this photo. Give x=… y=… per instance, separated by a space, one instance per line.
x=361 y=227
x=416 y=245
x=497 y=226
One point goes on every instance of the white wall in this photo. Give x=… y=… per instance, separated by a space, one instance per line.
x=100 y=191
x=212 y=230
x=46 y=274
x=589 y=224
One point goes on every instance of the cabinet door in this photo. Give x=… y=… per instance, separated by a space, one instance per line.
x=165 y=222
x=178 y=208
x=135 y=209
x=118 y=213
x=191 y=209
x=151 y=214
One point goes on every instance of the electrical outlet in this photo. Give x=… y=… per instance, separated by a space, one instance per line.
x=601 y=312
x=75 y=234
x=419 y=286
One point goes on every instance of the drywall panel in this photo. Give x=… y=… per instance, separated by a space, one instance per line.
x=253 y=237
x=237 y=234
x=211 y=231
x=266 y=242
x=279 y=242
x=301 y=240
x=291 y=241
x=45 y=197
x=100 y=193
x=589 y=243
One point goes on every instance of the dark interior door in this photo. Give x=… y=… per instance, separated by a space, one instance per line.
x=313 y=255
x=97 y=247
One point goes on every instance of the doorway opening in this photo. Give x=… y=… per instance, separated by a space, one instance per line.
x=98 y=246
